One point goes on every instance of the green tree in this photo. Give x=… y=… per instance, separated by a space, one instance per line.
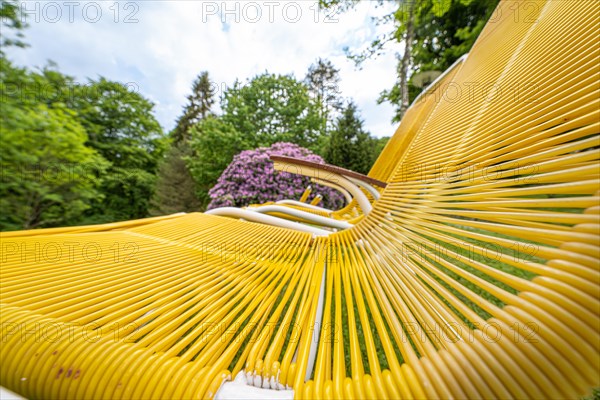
x=175 y=186
x=199 y=106
x=120 y=123
x=214 y=142
x=269 y=108
x=349 y=145
x=122 y=128
x=323 y=81
x=434 y=34
x=48 y=176
x=441 y=33
x=114 y=122
x=273 y=108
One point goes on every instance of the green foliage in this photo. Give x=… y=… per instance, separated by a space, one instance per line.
x=123 y=129
x=214 y=142
x=443 y=34
x=127 y=193
x=440 y=32
x=339 y=5
x=349 y=145
x=48 y=174
x=199 y=106
x=120 y=123
x=52 y=125
x=267 y=109
x=273 y=108
x=11 y=21
x=444 y=31
x=323 y=81
x=175 y=187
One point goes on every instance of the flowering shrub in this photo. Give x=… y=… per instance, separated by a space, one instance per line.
x=251 y=179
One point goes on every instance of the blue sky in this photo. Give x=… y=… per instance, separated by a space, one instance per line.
x=160 y=46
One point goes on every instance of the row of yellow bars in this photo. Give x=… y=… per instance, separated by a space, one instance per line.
x=476 y=275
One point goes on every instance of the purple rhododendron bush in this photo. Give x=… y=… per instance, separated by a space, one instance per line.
x=251 y=179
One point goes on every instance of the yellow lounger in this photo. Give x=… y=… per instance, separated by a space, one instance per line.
x=476 y=274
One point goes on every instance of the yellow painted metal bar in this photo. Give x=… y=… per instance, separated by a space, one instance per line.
x=305 y=194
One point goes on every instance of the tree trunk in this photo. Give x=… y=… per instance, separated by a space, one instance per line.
x=405 y=62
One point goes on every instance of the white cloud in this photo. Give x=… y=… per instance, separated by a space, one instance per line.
x=163 y=45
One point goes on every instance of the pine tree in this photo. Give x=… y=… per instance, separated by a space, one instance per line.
x=198 y=107
x=175 y=189
x=323 y=81
x=349 y=145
